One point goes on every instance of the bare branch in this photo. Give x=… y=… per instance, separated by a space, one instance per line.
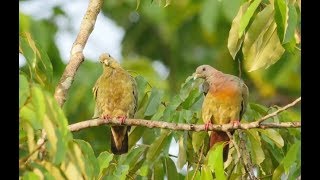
x=76 y=54
x=179 y=126
x=278 y=111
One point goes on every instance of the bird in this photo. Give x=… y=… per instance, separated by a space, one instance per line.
x=116 y=96
x=225 y=101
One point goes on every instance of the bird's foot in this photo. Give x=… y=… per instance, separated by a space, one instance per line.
x=235 y=123
x=122 y=119
x=206 y=125
x=106 y=117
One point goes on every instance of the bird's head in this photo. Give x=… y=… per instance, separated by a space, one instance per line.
x=203 y=71
x=108 y=61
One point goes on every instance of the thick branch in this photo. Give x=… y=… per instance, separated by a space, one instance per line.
x=76 y=54
x=178 y=126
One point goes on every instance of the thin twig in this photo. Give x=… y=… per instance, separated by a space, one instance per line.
x=198 y=164
x=278 y=111
x=76 y=54
x=24 y=160
x=234 y=144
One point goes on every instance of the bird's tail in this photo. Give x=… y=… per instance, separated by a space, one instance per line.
x=119 y=139
x=219 y=136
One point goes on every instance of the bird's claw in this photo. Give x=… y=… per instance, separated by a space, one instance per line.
x=235 y=123
x=106 y=117
x=122 y=119
x=206 y=126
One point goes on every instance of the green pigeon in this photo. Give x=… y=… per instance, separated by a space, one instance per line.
x=116 y=96
x=226 y=99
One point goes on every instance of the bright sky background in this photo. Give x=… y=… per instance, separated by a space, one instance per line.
x=96 y=44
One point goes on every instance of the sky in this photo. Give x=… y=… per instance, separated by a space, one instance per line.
x=95 y=46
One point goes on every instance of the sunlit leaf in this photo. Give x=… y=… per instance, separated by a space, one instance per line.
x=30 y=176
x=182 y=156
x=198 y=139
x=215 y=160
x=206 y=173
x=281 y=17
x=274 y=136
x=292 y=23
x=104 y=159
x=261 y=46
x=92 y=164
x=158 y=171
x=234 y=42
x=291 y=156
x=244 y=21
x=37 y=59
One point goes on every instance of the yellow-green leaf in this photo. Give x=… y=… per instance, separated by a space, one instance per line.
x=24 y=90
x=256 y=149
x=274 y=136
x=234 y=42
x=215 y=160
x=247 y=16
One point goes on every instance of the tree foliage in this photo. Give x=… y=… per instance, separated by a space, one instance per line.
x=264 y=35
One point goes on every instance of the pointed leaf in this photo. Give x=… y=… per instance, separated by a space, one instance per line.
x=182 y=156
x=206 y=173
x=38 y=61
x=281 y=17
x=274 y=136
x=256 y=149
x=262 y=47
x=234 y=42
x=24 y=90
x=215 y=160
x=104 y=159
x=292 y=23
x=247 y=16
x=157 y=146
x=170 y=169
x=154 y=102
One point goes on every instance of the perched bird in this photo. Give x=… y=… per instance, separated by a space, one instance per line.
x=116 y=96
x=226 y=98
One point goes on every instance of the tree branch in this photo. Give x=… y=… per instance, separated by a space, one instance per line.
x=179 y=126
x=76 y=54
x=278 y=111
x=192 y=127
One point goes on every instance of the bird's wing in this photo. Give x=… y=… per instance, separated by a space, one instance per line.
x=95 y=91
x=135 y=94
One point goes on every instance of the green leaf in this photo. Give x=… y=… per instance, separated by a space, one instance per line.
x=132 y=157
x=209 y=15
x=234 y=42
x=142 y=85
x=215 y=160
x=291 y=156
x=170 y=168
x=104 y=159
x=261 y=46
x=143 y=171
x=135 y=134
x=206 y=173
x=262 y=110
x=37 y=59
x=154 y=102
x=256 y=148
x=292 y=23
x=281 y=17
x=158 y=171
x=121 y=172
x=156 y=147
x=30 y=176
x=24 y=90
x=182 y=156
x=273 y=135
x=34 y=110
x=91 y=163
x=197 y=175
x=198 y=139
x=245 y=19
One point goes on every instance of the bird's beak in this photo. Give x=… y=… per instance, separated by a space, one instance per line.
x=195 y=76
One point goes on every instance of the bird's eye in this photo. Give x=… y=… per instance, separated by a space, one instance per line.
x=203 y=69
x=109 y=55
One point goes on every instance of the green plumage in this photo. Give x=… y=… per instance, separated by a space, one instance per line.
x=116 y=96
